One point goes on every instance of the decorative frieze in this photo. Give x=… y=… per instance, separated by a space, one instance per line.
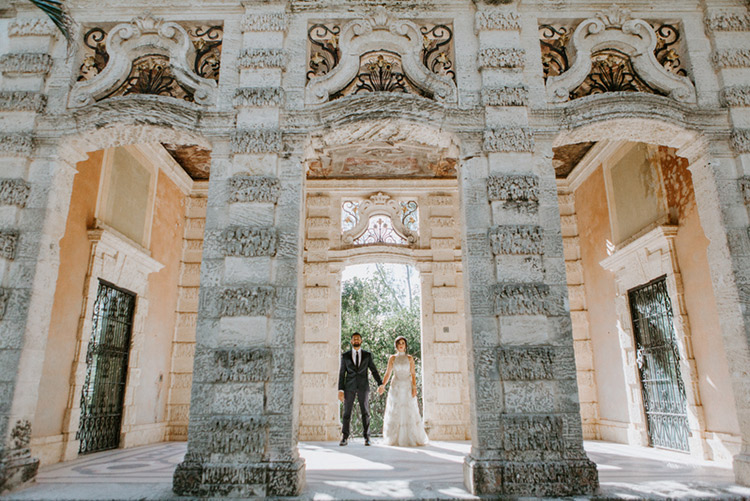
x=262 y=58
x=501 y=58
x=8 y=243
x=525 y=299
x=549 y=478
x=737 y=95
x=235 y=435
x=513 y=188
x=728 y=21
x=516 y=239
x=32 y=28
x=254 y=189
x=16 y=144
x=506 y=96
x=731 y=58
x=249 y=241
x=741 y=140
x=258 y=97
x=14 y=192
x=19 y=100
x=526 y=363
x=497 y=20
x=25 y=63
x=235 y=365
x=256 y=141
x=532 y=433
x=276 y=21
x=247 y=302
x=509 y=139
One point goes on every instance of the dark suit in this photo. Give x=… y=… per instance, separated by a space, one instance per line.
x=354 y=382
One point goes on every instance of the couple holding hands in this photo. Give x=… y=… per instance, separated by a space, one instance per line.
x=402 y=424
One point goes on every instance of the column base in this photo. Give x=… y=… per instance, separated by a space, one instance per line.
x=16 y=467
x=265 y=479
x=538 y=478
x=741 y=466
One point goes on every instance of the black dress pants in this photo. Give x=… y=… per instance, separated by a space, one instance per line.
x=363 y=395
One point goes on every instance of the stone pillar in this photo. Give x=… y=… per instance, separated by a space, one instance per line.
x=34 y=196
x=526 y=424
x=242 y=432
x=579 y=315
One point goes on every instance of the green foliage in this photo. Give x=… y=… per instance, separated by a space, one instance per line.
x=56 y=11
x=381 y=308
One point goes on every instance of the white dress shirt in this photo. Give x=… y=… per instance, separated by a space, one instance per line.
x=354 y=355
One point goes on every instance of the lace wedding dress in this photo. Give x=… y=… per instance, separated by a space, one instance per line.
x=402 y=424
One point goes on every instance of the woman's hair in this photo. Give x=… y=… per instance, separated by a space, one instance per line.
x=395 y=343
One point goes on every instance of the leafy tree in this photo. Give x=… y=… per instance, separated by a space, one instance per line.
x=381 y=308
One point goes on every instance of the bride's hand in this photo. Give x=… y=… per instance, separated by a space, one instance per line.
x=414 y=392
x=381 y=389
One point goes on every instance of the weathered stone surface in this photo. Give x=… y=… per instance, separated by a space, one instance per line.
x=32 y=27
x=502 y=58
x=264 y=22
x=526 y=363
x=14 y=192
x=25 y=63
x=262 y=58
x=516 y=239
x=513 y=188
x=19 y=100
x=16 y=144
x=497 y=20
x=248 y=302
x=256 y=141
x=258 y=97
x=505 y=96
x=254 y=189
x=248 y=241
x=525 y=299
x=731 y=58
x=736 y=95
x=232 y=435
x=741 y=140
x=532 y=432
x=728 y=21
x=8 y=243
x=235 y=365
x=16 y=464
x=510 y=139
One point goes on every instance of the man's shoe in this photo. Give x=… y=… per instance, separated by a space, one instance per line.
x=343 y=442
x=367 y=441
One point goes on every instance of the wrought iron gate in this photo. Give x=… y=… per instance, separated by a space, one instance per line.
x=659 y=366
x=106 y=370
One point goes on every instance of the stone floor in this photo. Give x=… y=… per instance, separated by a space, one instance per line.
x=381 y=472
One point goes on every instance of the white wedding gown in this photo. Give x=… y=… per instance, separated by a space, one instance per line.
x=402 y=424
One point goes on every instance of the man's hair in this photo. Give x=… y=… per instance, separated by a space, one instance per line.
x=356 y=334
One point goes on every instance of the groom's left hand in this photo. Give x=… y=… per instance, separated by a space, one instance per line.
x=414 y=392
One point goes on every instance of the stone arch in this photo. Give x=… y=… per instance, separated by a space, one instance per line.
x=651 y=254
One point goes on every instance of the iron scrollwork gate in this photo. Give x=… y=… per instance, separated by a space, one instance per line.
x=106 y=370
x=658 y=360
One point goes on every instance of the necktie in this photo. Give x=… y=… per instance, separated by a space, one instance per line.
x=357 y=357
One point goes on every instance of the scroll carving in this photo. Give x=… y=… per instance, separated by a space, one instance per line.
x=32 y=28
x=516 y=239
x=235 y=365
x=728 y=21
x=254 y=189
x=380 y=205
x=249 y=241
x=14 y=192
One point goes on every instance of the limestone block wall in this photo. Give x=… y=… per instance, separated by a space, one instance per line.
x=582 y=344
x=183 y=346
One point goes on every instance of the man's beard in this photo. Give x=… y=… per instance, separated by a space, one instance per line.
x=356 y=345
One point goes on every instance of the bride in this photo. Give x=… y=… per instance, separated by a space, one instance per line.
x=402 y=424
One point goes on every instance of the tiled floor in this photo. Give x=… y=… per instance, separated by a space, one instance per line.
x=381 y=472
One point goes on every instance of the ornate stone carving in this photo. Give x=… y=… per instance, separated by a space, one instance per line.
x=737 y=95
x=249 y=241
x=32 y=28
x=21 y=434
x=500 y=58
x=526 y=363
x=262 y=58
x=257 y=141
x=398 y=48
x=4 y=298
x=516 y=239
x=744 y=184
x=149 y=46
x=16 y=144
x=19 y=100
x=509 y=139
x=238 y=434
x=532 y=433
x=258 y=97
x=728 y=21
x=265 y=22
x=506 y=96
x=525 y=299
x=233 y=365
x=254 y=189
x=496 y=20
x=8 y=243
x=731 y=58
x=16 y=464
x=552 y=478
x=741 y=140
x=612 y=42
x=253 y=301
x=379 y=205
x=513 y=188
x=14 y=192
x=25 y=63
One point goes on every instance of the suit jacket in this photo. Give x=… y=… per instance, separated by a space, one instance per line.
x=353 y=378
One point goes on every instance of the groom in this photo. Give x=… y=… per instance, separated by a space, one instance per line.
x=353 y=382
